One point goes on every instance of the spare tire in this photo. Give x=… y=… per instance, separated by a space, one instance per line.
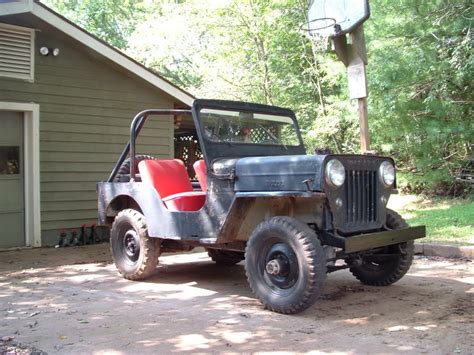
x=124 y=169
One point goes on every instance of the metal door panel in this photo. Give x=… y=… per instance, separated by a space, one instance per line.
x=12 y=195
x=12 y=217
x=12 y=230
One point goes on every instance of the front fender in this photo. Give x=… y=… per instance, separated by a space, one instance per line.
x=248 y=209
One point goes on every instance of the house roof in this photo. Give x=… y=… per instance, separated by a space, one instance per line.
x=12 y=7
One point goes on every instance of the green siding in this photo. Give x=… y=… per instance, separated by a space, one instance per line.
x=86 y=106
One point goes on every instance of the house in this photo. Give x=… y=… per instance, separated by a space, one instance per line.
x=66 y=102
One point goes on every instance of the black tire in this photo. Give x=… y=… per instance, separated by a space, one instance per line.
x=225 y=257
x=380 y=271
x=285 y=265
x=125 y=167
x=135 y=254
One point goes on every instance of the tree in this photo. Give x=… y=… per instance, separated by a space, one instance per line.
x=111 y=20
x=420 y=69
x=421 y=86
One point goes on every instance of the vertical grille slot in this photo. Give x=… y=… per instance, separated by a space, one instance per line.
x=361 y=196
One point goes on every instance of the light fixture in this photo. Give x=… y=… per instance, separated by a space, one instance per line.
x=47 y=51
x=44 y=51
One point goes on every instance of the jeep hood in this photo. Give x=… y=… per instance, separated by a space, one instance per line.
x=279 y=173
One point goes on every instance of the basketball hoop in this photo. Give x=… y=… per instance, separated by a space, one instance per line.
x=319 y=30
x=335 y=19
x=319 y=41
x=320 y=24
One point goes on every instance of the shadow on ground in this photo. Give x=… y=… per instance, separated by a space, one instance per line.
x=50 y=302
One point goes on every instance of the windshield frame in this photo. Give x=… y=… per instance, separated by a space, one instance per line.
x=214 y=150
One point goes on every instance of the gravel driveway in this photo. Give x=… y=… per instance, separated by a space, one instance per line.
x=72 y=300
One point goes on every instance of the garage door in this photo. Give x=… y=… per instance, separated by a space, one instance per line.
x=12 y=217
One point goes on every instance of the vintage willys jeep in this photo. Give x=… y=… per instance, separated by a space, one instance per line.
x=291 y=216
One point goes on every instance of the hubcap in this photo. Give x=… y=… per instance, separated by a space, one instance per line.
x=131 y=245
x=281 y=266
x=274 y=266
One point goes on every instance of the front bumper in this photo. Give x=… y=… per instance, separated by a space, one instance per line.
x=369 y=241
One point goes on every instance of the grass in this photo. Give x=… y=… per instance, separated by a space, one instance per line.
x=447 y=220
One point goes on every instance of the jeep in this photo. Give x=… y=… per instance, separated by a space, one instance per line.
x=292 y=217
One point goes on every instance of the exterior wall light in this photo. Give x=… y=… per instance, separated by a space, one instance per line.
x=44 y=51
x=47 y=51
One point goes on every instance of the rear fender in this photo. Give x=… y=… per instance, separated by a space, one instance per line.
x=114 y=197
x=161 y=222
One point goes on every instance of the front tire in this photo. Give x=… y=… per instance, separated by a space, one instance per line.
x=386 y=270
x=135 y=254
x=285 y=265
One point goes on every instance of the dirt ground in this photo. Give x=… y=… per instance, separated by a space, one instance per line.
x=73 y=301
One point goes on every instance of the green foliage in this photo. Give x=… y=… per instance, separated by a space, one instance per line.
x=275 y=62
x=111 y=20
x=253 y=51
x=420 y=74
x=420 y=69
x=447 y=220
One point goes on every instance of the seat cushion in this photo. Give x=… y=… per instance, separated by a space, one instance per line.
x=185 y=201
x=168 y=176
x=200 y=170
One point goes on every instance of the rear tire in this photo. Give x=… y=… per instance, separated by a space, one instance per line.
x=135 y=254
x=379 y=271
x=285 y=265
x=225 y=257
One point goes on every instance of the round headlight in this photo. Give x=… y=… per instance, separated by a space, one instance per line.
x=387 y=173
x=335 y=173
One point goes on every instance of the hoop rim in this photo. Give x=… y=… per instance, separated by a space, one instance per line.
x=305 y=26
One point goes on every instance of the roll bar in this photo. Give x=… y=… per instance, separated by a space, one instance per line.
x=135 y=128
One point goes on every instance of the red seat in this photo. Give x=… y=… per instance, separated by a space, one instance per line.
x=171 y=181
x=185 y=201
x=200 y=170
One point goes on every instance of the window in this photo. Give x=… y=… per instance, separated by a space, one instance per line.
x=248 y=128
x=16 y=52
x=9 y=160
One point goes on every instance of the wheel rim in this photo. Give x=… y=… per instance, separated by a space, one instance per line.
x=280 y=266
x=131 y=246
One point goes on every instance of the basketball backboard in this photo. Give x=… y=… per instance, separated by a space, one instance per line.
x=336 y=17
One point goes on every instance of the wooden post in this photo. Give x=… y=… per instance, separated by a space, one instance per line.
x=364 y=125
x=359 y=61
x=354 y=57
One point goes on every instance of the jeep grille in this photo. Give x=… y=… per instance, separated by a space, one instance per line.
x=361 y=197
